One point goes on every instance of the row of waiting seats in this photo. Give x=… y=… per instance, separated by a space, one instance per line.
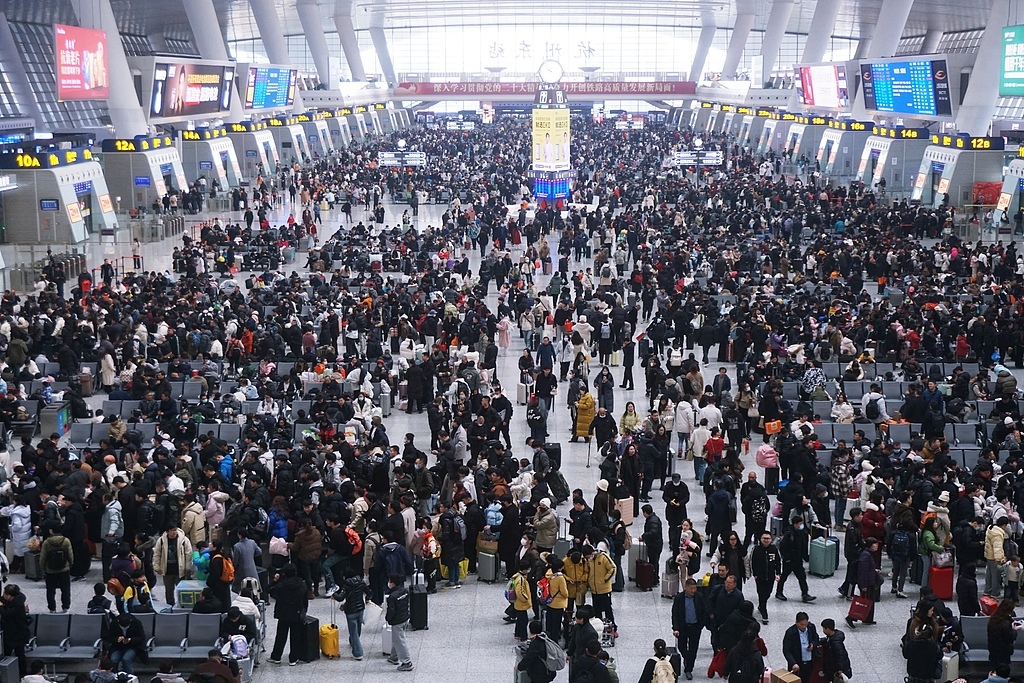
x=174 y=636
x=89 y=435
x=975 y=631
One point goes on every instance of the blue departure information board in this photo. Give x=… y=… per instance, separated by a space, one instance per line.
x=916 y=87
x=269 y=87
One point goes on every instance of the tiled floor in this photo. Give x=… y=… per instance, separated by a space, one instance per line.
x=467 y=640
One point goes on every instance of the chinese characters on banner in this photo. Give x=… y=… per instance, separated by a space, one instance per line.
x=605 y=88
x=81 y=62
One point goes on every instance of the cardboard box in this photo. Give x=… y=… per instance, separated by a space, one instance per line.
x=781 y=676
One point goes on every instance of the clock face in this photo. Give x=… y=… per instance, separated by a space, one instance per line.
x=550 y=71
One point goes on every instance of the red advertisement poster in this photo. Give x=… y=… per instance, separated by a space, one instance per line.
x=81 y=63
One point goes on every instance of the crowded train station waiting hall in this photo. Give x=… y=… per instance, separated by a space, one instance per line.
x=492 y=341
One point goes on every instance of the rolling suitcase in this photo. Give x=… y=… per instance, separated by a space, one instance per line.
x=418 y=608
x=950 y=667
x=308 y=647
x=917 y=571
x=562 y=547
x=988 y=605
x=669 y=585
x=329 y=641
x=940 y=579
x=646 y=577
x=385 y=640
x=522 y=394
x=33 y=566
x=487 y=567
x=823 y=557
x=559 y=488
x=776 y=526
x=636 y=553
x=771 y=480
x=554 y=451
x=625 y=508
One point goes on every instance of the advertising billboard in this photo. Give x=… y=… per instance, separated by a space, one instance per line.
x=81 y=63
x=1011 y=73
x=270 y=87
x=918 y=87
x=823 y=85
x=550 y=139
x=184 y=89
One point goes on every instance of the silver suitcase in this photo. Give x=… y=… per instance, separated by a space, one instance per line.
x=385 y=640
x=522 y=394
x=487 y=567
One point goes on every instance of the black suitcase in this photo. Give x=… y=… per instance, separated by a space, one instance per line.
x=644 y=349
x=308 y=646
x=418 y=608
x=263 y=574
x=554 y=451
x=771 y=480
x=559 y=488
x=33 y=566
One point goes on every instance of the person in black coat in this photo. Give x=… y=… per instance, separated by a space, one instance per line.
x=689 y=616
x=798 y=659
x=290 y=605
x=75 y=529
x=582 y=633
x=653 y=537
x=794 y=549
x=725 y=599
x=534 y=657
x=14 y=623
x=126 y=642
x=511 y=532
x=733 y=628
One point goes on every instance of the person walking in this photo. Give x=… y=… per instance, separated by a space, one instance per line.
x=354 y=593
x=765 y=566
x=869 y=578
x=290 y=605
x=794 y=549
x=533 y=662
x=834 y=657
x=800 y=647
x=397 y=617
x=653 y=537
x=689 y=616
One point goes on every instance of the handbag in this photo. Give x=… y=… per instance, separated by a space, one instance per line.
x=278 y=546
x=773 y=427
x=942 y=558
x=717 y=665
x=487 y=543
x=752 y=411
x=860 y=608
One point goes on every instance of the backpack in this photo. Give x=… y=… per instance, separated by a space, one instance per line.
x=901 y=545
x=871 y=410
x=227 y=569
x=663 y=671
x=460 y=525
x=353 y=538
x=57 y=559
x=554 y=657
x=115 y=587
x=627 y=538
x=431 y=550
x=606 y=331
x=263 y=524
x=544 y=591
x=577 y=338
x=510 y=589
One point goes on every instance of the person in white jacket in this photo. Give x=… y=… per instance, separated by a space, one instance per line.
x=685 y=422
x=172 y=559
x=21 y=529
x=698 y=439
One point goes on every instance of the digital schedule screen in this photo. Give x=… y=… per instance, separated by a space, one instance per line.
x=916 y=87
x=269 y=87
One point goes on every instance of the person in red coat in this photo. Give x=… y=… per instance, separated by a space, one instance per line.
x=872 y=525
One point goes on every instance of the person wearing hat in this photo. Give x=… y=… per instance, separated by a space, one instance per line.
x=545 y=525
x=602 y=506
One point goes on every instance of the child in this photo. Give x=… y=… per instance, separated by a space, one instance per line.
x=201 y=560
x=99 y=603
x=1013 y=576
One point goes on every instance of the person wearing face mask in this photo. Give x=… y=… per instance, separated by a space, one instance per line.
x=794 y=550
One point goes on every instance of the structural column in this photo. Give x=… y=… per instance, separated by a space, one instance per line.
x=380 y=45
x=931 y=41
x=820 y=33
x=704 y=43
x=979 y=104
x=778 y=20
x=740 y=32
x=892 y=20
x=349 y=41
x=123 y=105
x=14 y=70
x=202 y=17
x=269 y=24
x=864 y=44
x=313 y=26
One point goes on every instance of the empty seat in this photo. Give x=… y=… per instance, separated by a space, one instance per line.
x=100 y=432
x=128 y=408
x=832 y=370
x=843 y=432
x=148 y=430
x=879 y=369
x=790 y=390
x=170 y=636
x=192 y=391
x=976 y=638
x=50 y=636
x=964 y=434
x=203 y=632
x=900 y=433
x=824 y=433
x=81 y=434
x=893 y=391
x=854 y=391
x=86 y=637
x=230 y=433
x=111 y=408
x=822 y=408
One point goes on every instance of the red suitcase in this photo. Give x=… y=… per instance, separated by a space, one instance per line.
x=646 y=578
x=860 y=608
x=941 y=581
x=988 y=605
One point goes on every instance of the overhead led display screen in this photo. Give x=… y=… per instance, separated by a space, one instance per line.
x=917 y=87
x=183 y=89
x=270 y=87
x=823 y=85
x=81 y=63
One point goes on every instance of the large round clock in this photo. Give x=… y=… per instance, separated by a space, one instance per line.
x=550 y=71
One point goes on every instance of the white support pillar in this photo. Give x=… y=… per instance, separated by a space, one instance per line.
x=778 y=20
x=14 y=70
x=931 y=41
x=126 y=113
x=349 y=41
x=740 y=32
x=700 y=57
x=267 y=21
x=823 y=22
x=892 y=20
x=313 y=26
x=202 y=17
x=867 y=31
x=380 y=46
x=979 y=105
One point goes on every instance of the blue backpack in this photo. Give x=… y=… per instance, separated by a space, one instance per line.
x=901 y=545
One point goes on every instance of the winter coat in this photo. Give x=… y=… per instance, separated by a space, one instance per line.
x=584 y=415
x=601 y=572
x=545 y=523
x=994 y=538
x=21 y=527
x=184 y=551
x=873 y=523
x=1006 y=384
x=193 y=523
x=866 y=570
